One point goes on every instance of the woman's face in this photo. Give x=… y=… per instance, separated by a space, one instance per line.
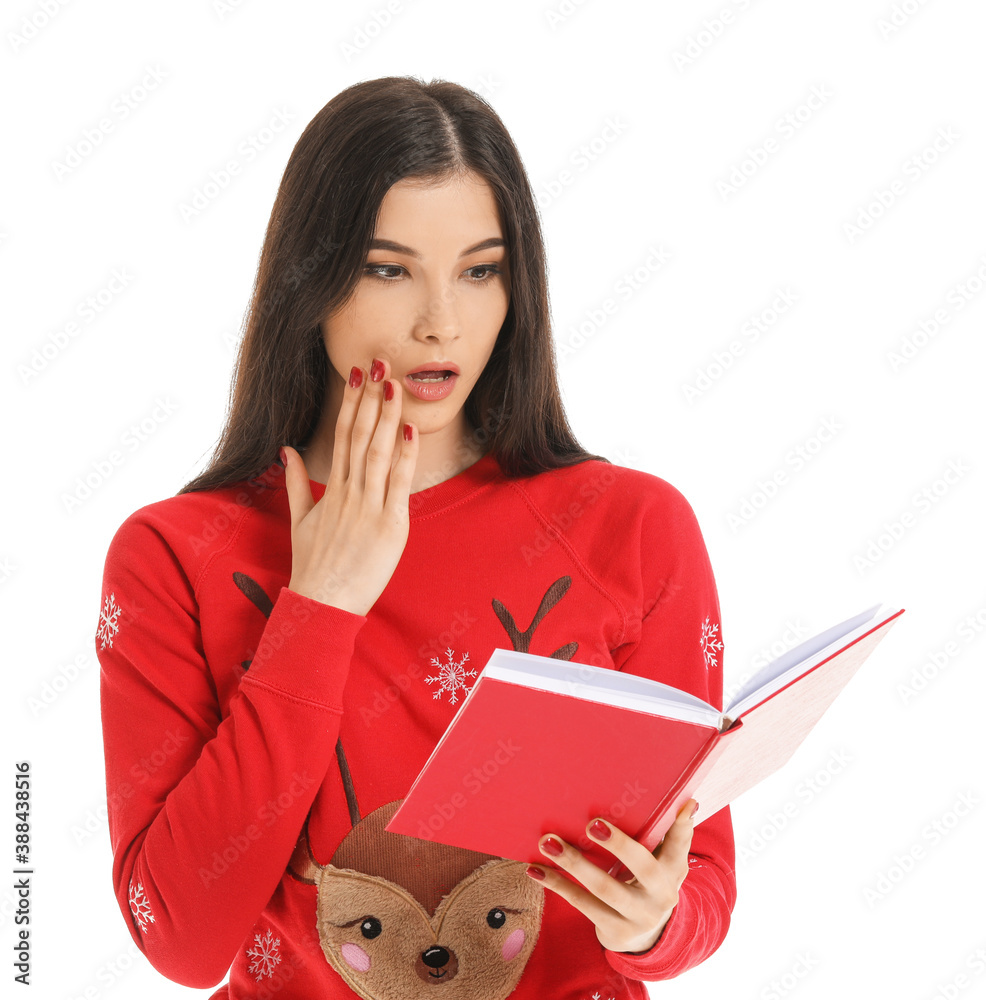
x=427 y=296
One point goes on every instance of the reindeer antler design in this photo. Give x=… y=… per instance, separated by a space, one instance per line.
x=257 y=596
x=522 y=640
x=255 y=592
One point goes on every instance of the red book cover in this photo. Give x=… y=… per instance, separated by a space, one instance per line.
x=523 y=762
x=541 y=745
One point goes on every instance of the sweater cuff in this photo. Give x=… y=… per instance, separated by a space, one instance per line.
x=306 y=649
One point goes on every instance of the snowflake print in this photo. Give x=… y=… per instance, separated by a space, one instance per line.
x=450 y=675
x=598 y=996
x=710 y=642
x=108 y=622
x=139 y=906
x=265 y=956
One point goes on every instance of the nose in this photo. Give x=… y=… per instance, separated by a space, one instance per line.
x=436 y=956
x=438 y=313
x=437 y=964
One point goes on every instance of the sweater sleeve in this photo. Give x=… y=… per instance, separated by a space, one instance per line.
x=204 y=811
x=680 y=644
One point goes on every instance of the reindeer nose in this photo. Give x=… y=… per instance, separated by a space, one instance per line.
x=436 y=956
x=437 y=964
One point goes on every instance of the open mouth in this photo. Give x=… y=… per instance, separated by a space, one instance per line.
x=438 y=376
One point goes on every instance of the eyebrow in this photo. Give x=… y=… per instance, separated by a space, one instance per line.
x=487 y=244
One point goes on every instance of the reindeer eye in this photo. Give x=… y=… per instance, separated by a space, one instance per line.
x=496 y=918
x=370 y=927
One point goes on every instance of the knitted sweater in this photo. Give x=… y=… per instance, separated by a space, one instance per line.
x=257 y=741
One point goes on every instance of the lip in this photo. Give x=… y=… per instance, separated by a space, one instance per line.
x=436 y=366
x=430 y=391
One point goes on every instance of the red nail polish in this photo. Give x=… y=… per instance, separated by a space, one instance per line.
x=388 y=390
x=552 y=847
x=284 y=458
x=694 y=810
x=600 y=830
x=355 y=377
x=376 y=370
x=408 y=433
x=535 y=873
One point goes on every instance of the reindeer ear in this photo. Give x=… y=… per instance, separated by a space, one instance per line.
x=303 y=867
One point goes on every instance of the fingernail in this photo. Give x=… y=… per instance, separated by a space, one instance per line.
x=356 y=377
x=552 y=847
x=388 y=390
x=535 y=873
x=694 y=810
x=376 y=370
x=408 y=433
x=284 y=458
x=600 y=830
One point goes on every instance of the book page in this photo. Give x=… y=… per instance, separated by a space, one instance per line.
x=599 y=684
x=800 y=660
x=768 y=734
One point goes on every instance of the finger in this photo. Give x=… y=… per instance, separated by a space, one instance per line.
x=673 y=849
x=364 y=426
x=342 y=439
x=614 y=894
x=300 y=500
x=399 y=489
x=585 y=902
x=639 y=861
x=384 y=445
x=680 y=832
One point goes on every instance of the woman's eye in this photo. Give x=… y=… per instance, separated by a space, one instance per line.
x=492 y=271
x=375 y=269
x=487 y=272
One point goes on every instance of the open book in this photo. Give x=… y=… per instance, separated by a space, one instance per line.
x=544 y=745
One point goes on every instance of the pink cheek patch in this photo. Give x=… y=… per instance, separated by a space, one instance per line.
x=513 y=944
x=356 y=958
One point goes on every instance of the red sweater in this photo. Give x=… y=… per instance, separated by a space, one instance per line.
x=224 y=696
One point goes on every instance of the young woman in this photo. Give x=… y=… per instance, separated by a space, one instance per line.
x=396 y=493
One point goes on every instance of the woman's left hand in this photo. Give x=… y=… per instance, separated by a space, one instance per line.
x=629 y=916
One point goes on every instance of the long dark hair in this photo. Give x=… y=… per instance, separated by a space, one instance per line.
x=367 y=138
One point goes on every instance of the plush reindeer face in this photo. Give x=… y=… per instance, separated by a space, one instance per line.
x=397 y=915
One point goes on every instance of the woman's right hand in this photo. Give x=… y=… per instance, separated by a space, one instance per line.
x=345 y=547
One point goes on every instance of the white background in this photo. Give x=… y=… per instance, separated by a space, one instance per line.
x=665 y=135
